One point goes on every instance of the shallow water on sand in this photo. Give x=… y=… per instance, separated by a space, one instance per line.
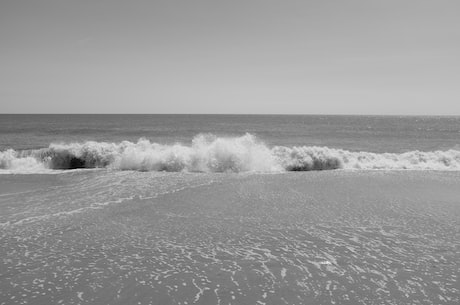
x=333 y=237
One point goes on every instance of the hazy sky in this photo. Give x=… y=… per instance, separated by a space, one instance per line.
x=251 y=56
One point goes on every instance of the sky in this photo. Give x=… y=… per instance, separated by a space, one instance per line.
x=215 y=56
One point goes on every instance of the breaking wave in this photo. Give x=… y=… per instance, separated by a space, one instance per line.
x=208 y=153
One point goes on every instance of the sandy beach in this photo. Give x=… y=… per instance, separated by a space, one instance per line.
x=333 y=237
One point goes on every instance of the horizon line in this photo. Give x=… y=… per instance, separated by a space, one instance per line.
x=232 y=114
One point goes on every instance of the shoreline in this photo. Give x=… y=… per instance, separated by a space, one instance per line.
x=348 y=237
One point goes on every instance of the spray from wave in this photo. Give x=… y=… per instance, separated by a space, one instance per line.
x=208 y=153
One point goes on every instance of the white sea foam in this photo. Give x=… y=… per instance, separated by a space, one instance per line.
x=208 y=153
x=12 y=162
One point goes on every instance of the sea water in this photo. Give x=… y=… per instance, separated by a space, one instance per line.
x=222 y=143
x=211 y=209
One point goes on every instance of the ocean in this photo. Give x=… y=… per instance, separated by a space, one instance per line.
x=229 y=209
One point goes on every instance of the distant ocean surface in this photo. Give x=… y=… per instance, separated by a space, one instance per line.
x=223 y=143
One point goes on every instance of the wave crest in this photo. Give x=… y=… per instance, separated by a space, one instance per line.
x=208 y=153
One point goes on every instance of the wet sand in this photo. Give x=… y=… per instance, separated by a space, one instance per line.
x=335 y=237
